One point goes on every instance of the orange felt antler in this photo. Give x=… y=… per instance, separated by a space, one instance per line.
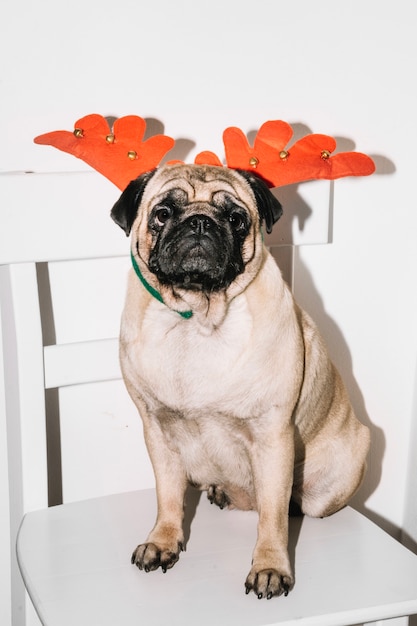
x=307 y=159
x=119 y=154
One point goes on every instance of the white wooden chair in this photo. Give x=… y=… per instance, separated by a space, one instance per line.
x=74 y=436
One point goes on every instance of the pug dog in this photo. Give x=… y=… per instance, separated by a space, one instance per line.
x=232 y=380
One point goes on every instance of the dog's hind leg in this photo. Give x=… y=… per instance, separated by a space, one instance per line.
x=328 y=478
x=231 y=497
x=217 y=496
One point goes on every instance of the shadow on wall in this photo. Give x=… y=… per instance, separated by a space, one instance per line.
x=182 y=146
x=313 y=303
x=336 y=339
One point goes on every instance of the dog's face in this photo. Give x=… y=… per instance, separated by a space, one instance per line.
x=195 y=228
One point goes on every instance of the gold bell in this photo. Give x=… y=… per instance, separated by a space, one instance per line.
x=132 y=154
x=78 y=132
x=325 y=154
x=253 y=162
x=284 y=155
x=110 y=138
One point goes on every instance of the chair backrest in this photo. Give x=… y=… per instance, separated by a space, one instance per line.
x=63 y=264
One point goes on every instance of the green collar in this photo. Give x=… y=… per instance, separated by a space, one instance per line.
x=151 y=290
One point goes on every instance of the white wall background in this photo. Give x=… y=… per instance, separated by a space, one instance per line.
x=341 y=68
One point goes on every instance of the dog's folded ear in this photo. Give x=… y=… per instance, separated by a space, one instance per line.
x=126 y=208
x=269 y=208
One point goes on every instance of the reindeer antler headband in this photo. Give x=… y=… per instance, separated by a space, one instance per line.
x=121 y=155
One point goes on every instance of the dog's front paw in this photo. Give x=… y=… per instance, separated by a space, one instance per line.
x=149 y=556
x=267 y=583
x=217 y=496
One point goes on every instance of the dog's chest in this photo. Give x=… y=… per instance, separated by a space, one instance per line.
x=179 y=368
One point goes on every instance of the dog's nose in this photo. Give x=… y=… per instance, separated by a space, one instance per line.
x=200 y=224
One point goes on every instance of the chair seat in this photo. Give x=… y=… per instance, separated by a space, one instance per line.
x=75 y=561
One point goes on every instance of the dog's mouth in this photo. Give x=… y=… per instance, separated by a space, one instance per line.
x=203 y=260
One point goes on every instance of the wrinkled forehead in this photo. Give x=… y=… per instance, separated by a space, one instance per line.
x=198 y=183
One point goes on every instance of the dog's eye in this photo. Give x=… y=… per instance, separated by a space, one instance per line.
x=163 y=214
x=236 y=220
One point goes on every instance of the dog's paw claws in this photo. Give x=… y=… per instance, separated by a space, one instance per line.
x=148 y=557
x=216 y=495
x=268 y=583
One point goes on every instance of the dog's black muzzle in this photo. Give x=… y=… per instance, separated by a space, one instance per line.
x=198 y=253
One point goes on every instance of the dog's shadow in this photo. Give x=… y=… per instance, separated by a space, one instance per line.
x=312 y=302
x=192 y=499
